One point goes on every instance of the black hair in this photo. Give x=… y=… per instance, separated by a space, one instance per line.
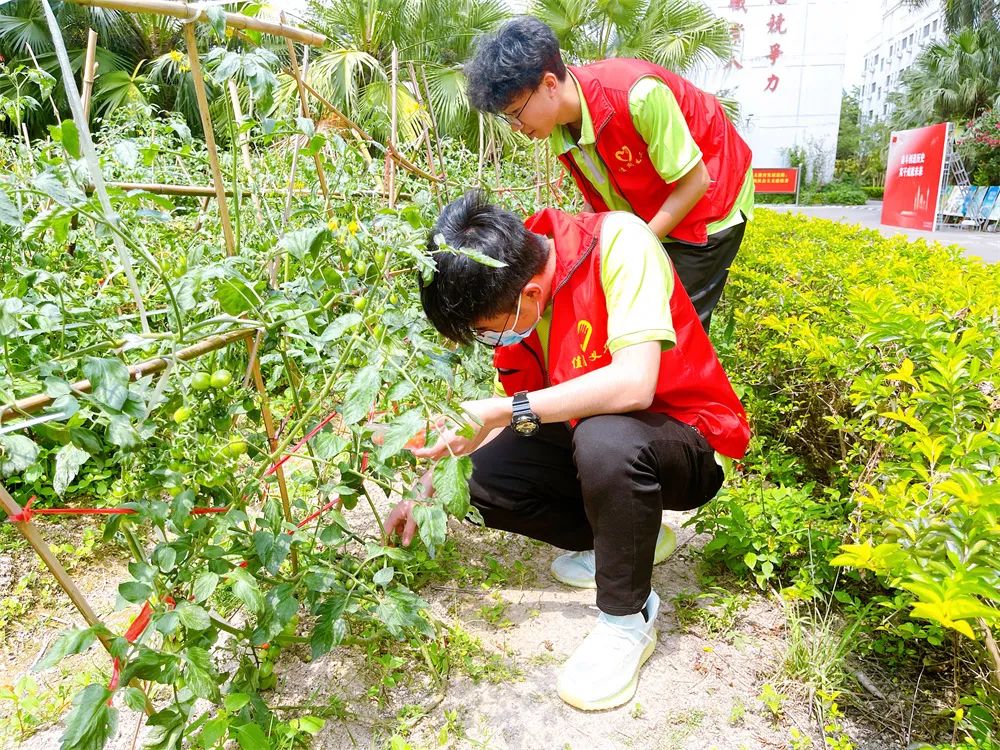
x=463 y=290
x=512 y=60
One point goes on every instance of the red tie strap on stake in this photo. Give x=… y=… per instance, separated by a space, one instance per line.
x=28 y=512
x=298 y=446
x=136 y=629
x=318 y=513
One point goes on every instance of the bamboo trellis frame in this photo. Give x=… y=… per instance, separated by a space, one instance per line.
x=194 y=12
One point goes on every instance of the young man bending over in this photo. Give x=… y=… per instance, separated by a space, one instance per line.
x=616 y=409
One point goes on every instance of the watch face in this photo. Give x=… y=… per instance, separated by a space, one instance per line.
x=526 y=427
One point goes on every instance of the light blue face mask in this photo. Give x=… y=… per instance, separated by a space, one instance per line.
x=510 y=336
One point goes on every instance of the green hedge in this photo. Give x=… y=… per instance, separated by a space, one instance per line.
x=870 y=368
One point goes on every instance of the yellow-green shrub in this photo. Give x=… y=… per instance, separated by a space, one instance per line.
x=870 y=368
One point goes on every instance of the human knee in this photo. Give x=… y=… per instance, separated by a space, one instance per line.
x=603 y=449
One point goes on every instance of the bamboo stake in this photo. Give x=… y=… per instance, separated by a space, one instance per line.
x=66 y=583
x=434 y=123
x=52 y=102
x=195 y=12
x=206 y=124
x=89 y=66
x=93 y=163
x=390 y=164
x=31 y=404
x=272 y=441
x=402 y=160
x=234 y=96
x=304 y=106
x=202 y=209
x=291 y=188
x=29 y=532
x=426 y=136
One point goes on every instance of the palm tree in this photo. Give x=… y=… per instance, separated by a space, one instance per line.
x=435 y=36
x=677 y=34
x=951 y=80
x=959 y=14
x=139 y=56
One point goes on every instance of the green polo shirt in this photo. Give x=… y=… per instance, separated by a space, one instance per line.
x=658 y=119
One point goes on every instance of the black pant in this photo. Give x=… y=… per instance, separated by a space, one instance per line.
x=600 y=486
x=703 y=270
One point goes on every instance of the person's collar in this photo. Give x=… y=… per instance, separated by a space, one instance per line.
x=562 y=138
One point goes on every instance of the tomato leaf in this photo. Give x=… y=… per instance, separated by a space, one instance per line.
x=93 y=722
x=17 y=453
x=451 y=484
x=361 y=394
x=69 y=459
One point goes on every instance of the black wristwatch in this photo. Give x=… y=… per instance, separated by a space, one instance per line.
x=522 y=419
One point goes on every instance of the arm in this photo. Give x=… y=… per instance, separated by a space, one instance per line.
x=659 y=120
x=627 y=384
x=687 y=192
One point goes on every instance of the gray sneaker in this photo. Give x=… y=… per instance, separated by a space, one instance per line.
x=578 y=568
x=603 y=672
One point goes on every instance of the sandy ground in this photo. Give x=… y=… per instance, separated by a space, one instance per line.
x=699 y=689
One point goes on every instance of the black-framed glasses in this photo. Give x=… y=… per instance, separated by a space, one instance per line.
x=516 y=117
x=494 y=338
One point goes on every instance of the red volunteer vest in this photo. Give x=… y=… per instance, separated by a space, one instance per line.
x=606 y=86
x=692 y=385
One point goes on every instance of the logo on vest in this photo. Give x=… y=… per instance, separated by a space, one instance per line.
x=585 y=330
x=624 y=155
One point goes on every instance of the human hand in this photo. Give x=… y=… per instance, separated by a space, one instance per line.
x=401 y=520
x=482 y=417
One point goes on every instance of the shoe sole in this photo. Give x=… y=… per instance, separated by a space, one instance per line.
x=589 y=583
x=620 y=698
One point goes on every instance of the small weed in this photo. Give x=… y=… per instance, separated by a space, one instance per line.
x=35 y=705
x=465 y=653
x=713 y=613
x=772 y=700
x=737 y=713
x=638 y=711
x=495 y=614
x=452 y=729
x=817 y=648
x=683 y=724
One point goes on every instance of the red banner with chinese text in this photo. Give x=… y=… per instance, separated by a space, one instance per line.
x=913 y=177
x=776 y=180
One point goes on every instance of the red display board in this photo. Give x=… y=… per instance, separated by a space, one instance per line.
x=776 y=180
x=913 y=177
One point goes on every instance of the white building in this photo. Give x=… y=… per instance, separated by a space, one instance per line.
x=787 y=75
x=904 y=32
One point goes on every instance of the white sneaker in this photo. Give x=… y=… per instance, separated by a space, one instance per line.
x=603 y=672
x=578 y=568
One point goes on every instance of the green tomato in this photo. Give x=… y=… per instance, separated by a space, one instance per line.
x=348 y=252
x=379 y=257
x=235 y=448
x=394 y=299
x=183 y=414
x=361 y=267
x=221 y=378
x=201 y=381
x=350 y=502
x=360 y=303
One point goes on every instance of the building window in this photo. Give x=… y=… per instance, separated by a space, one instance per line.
x=935 y=25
